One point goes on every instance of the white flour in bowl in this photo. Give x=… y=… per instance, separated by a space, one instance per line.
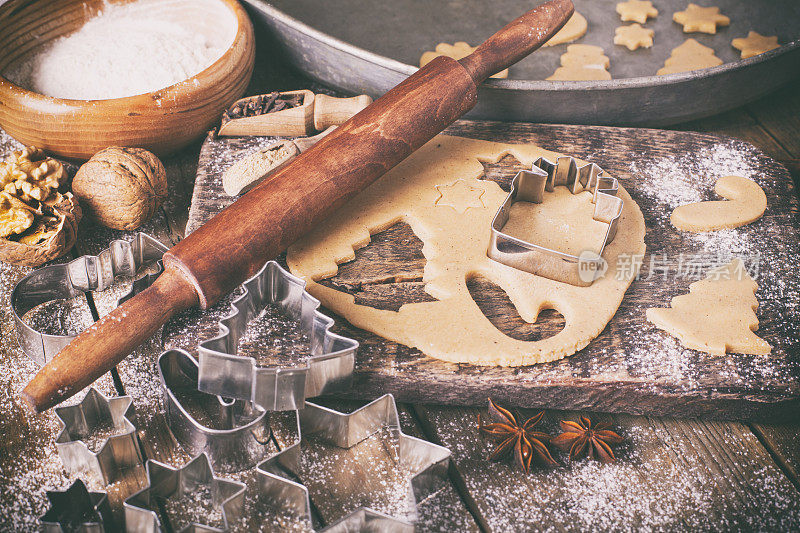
x=130 y=49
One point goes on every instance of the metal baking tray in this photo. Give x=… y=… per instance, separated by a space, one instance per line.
x=361 y=46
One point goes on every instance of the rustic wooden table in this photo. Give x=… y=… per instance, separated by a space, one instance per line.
x=671 y=474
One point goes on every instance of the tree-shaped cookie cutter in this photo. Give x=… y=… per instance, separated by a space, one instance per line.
x=84 y=274
x=116 y=454
x=165 y=481
x=78 y=510
x=427 y=461
x=242 y=431
x=226 y=374
x=530 y=186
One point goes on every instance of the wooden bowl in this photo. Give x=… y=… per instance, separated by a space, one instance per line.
x=162 y=121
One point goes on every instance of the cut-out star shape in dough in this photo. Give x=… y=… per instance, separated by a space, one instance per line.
x=634 y=36
x=700 y=19
x=744 y=203
x=459 y=196
x=755 y=44
x=636 y=11
x=717 y=316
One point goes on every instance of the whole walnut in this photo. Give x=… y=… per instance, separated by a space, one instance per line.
x=121 y=188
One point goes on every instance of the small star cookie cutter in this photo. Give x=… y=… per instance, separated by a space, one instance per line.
x=241 y=433
x=165 y=481
x=67 y=280
x=119 y=451
x=227 y=374
x=530 y=186
x=77 y=510
x=428 y=462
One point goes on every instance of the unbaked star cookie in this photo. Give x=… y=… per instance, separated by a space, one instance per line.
x=700 y=19
x=691 y=55
x=636 y=11
x=633 y=36
x=457 y=50
x=755 y=44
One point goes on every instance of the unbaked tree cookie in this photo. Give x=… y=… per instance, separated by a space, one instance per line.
x=634 y=36
x=457 y=50
x=690 y=55
x=575 y=27
x=636 y=11
x=700 y=19
x=439 y=191
x=745 y=202
x=582 y=62
x=755 y=44
x=717 y=316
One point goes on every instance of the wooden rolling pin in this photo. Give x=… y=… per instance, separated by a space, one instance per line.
x=232 y=246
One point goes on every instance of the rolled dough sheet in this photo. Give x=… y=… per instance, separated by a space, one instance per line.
x=452 y=220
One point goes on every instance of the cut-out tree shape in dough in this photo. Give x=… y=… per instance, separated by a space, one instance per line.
x=453 y=327
x=745 y=202
x=717 y=316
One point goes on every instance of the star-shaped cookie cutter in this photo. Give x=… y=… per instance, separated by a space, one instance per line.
x=165 y=481
x=118 y=452
x=427 y=461
x=226 y=374
x=77 y=510
x=81 y=275
x=246 y=435
x=530 y=186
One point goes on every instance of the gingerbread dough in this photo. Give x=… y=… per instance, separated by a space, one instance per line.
x=636 y=11
x=745 y=203
x=457 y=50
x=582 y=62
x=700 y=19
x=717 y=316
x=690 y=55
x=634 y=36
x=755 y=44
x=456 y=238
x=575 y=27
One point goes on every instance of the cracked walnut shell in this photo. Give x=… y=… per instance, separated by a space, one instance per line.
x=121 y=188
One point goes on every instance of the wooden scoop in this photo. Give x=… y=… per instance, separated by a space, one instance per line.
x=317 y=113
x=231 y=247
x=254 y=168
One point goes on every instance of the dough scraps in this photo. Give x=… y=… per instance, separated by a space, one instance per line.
x=690 y=55
x=575 y=27
x=745 y=202
x=636 y=11
x=633 y=36
x=717 y=315
x=755 y=44
x=582 y=62
x=457 y=50
x=455 y=240
x=700 y=19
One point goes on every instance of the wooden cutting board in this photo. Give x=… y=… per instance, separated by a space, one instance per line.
x=631 y=367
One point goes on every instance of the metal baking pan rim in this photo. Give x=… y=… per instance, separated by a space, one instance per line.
x=525 y=85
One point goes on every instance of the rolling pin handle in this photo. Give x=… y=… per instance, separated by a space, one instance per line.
x=517 y=39
x=330 y=111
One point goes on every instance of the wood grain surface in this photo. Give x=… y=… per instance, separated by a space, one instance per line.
x=618 y=371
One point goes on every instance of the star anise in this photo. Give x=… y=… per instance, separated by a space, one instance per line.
x=581 y=439
x=521 y=439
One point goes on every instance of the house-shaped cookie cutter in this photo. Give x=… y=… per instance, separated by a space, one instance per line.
x=428 y=462
x=227 y=374
x=84 y=274
x=530 y=186
x=119 y=452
